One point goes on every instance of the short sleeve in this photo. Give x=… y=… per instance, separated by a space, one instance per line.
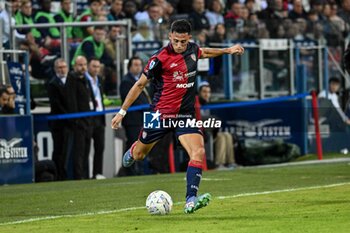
x=199 y=53
x=153 y=68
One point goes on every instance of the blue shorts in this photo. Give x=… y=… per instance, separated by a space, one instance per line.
x=149 y=135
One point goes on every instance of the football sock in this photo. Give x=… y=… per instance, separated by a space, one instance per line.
x=132 y=148
x=193 y=178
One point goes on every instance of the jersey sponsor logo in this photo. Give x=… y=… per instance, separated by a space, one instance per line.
x=191 y=74
x=185 y=85
x=179 y=76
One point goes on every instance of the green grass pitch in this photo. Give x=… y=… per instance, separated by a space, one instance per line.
x=303 y=198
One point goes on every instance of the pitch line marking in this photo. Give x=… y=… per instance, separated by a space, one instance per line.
x=178 y=203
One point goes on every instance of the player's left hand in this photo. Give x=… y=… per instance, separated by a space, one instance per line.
x=236 y=49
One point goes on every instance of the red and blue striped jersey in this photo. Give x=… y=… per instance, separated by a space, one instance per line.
x=173 y=77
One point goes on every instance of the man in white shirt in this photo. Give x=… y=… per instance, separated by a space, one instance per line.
x=98 y=123
x=334 y=86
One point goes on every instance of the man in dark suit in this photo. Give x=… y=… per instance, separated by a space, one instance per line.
x=98 y=122
x=82 y=101
x=133 y=121
x=61 y=130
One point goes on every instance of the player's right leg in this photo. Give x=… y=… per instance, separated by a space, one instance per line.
x=147 y=139
x=137 y=151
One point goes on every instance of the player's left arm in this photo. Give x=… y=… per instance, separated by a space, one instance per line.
x=214 y=52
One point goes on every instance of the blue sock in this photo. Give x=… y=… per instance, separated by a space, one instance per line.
x=193 y=178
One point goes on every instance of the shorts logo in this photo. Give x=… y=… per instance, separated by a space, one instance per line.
x=151 y=120
x=193 y=56
x=144 y=134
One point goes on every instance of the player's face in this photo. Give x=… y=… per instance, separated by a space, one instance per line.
x=179 y=41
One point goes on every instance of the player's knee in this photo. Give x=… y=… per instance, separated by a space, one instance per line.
x=198 y=154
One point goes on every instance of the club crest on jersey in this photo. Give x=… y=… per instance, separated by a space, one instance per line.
x=193 y=56
x=178 y=76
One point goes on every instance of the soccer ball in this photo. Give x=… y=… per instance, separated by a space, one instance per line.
x=159 y=203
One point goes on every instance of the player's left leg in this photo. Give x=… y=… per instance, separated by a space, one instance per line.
x=194 y=145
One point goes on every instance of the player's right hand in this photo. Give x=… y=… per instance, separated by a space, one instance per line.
x=117 y=119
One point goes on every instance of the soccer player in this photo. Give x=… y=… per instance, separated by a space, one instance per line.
x=172 y=70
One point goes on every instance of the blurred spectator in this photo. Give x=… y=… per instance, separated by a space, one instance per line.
x=197 y=17
x=91 y=14
x=7 y=19
x=143 y=33
x=298 y=11
x=133 y=121
x=183 y=6
x=201 y=38
x=333 y=27
x=314 y=29
x=65 y=16
x=82 y=101
x=273 y=15
x=130 y=10
x=214 y=14
x=59 y=88
x=4 y=99
x=167 y=9
x=153 y=17
x=94 y=46
x=25 y=17
x=113 y=33
x=10 y=107
x=116 y=11
x=344 y=12
x=98 y=122
x=110 y=73
x=48 y=34
x=334 y=86
x=253 y=28
x=223 y=141
x=317 y=6
x=234 y=11
x=219 y=36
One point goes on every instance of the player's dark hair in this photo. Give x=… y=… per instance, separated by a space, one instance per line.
x=181 y=26
x=132 y=59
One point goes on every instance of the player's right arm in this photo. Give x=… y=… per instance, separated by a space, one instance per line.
x=133 y=94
